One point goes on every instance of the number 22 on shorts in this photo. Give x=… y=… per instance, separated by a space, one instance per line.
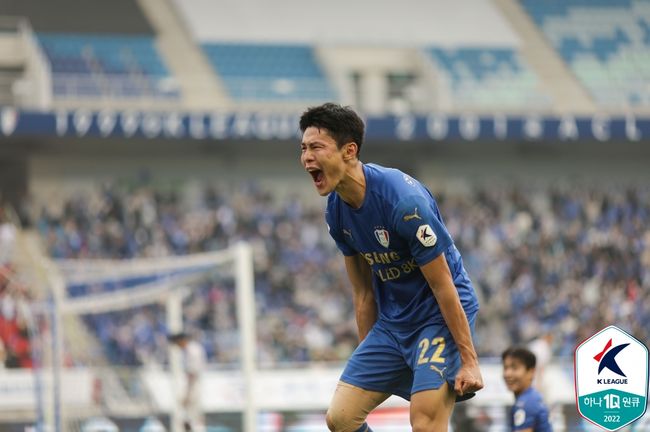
x=438 y=344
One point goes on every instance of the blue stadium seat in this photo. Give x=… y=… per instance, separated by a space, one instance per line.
x=105 y=65
x=606 y=43
x=488 y=78
x=256 y=72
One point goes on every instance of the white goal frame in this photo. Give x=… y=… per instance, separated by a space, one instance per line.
x=63 y=272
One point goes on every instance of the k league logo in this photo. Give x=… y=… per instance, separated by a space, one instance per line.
x=611 y=375
x=607 y=358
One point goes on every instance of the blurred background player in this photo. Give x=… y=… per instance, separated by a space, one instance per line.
x=529 y=413
x=413 y=314
x=194 y=361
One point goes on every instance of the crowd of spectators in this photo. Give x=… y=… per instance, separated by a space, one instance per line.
x=563 y=259
x=543 y=257
x=15 y=340
x=302 y=298
x=15 y=313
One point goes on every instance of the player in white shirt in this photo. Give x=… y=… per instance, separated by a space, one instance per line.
x=194 y=361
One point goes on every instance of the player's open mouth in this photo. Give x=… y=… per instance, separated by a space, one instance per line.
x=318 y=177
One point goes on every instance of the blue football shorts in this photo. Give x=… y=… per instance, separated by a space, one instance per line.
x=403 y=363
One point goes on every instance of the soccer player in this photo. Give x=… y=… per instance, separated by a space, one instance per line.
x=193 y=365
x=529 y=414
x=415 y=305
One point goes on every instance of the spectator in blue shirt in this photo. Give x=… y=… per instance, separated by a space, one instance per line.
x=528 y=414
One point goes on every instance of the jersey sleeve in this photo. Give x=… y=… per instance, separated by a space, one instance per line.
x=417 y=222
x=526 y=416
x=336 y=234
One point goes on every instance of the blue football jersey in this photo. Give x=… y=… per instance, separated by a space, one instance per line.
x=529 y=412
x=397 y=229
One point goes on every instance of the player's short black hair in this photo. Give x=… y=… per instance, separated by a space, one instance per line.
x=177 y=337
x=342 y=123
x=522 y=354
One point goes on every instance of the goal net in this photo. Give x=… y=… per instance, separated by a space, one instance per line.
x=114 y=315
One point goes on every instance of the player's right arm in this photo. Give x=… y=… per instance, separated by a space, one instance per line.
x=365 y=307
x=528 y=417
x=523 y=429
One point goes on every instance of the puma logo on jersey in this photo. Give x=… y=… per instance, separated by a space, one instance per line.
x=440 y=371
x=409 y=217
x=347 y=232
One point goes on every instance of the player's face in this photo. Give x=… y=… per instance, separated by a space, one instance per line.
x=516 y=376
x=322 y=159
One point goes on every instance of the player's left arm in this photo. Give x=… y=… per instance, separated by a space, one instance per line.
x=439 y=278
x=416 y=220
x=525 y=418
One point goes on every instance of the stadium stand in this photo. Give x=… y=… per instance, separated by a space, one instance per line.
x=606 y=43
x=594 y=264
x=266 y=72
x=297 y=327
x=288 y=58
x=482 y=78
x=100 y=51
x=105 y=66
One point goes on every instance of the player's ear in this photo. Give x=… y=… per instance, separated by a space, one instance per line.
x=350 y=151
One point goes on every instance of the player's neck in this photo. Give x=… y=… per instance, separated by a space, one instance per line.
x=352 y=188
x=517 y=394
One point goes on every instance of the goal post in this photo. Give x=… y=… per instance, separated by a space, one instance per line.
x=246 y=319
x=165 y=282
